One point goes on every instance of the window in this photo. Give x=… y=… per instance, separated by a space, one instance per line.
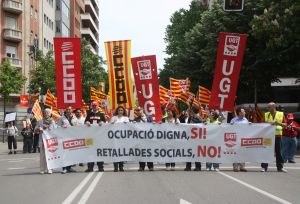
x=10 y=22
x=65 y=31
x=11 y=51
x=45 y=18
x=65 y=10
x=45 y=43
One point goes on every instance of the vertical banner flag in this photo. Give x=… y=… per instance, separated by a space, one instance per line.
x=118 y=54
x=147 y=87
x=68 y=72
x=231 y=49
x=24 y=101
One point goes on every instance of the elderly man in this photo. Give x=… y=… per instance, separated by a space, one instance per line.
x=276 y=118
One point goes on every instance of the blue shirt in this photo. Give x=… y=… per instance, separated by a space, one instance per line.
x=239 y=120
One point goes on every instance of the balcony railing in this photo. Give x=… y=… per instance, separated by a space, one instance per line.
x=12 y=34
x=15 y=62
x=12 y=6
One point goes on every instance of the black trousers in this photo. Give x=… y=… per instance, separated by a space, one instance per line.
x=170 y=164
x=149 y=164
x=35 y=142
x=279 y=159
x=119 y=164
x=189 y=165
x=27 y=145
x=11 y=141
x=91 y=165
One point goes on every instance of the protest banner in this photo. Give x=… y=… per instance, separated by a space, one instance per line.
x=146 y=142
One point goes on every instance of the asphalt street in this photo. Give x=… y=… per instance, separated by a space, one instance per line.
x=21 y=183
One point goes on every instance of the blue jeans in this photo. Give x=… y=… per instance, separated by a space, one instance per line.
x=209 y=165
x=288 y=148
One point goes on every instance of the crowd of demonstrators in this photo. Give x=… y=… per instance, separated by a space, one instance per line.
x=289 y=139
x=285 y=137
x=95 y=117
x=143 y=118
x=120 y=116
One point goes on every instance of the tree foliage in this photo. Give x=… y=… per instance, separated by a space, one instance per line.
x=11 y=80
x=43 y=75
x=271 y=48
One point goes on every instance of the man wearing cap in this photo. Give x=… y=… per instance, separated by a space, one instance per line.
x=289 y=139
x=276 y=118
x=94 y=117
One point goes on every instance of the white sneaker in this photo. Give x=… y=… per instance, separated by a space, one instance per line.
x=64 y=171
x=262 y=170
x=172 y=168
x=217 y=169
x=207 y=169
x=42 y=172
x=50 y=171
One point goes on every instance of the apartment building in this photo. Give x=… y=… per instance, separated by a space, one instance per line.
x=90 y=24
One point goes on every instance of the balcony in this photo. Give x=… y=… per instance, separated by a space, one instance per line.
x=88 y=32
x=12 y=35
x=12 y=6
x=88 y=21
x=15 y=62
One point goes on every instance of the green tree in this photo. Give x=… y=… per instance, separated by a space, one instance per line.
x=11 y=81
x=43 y=74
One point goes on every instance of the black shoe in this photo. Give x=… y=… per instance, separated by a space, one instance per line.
x=89 y=170
x=115 y=170
x=151 y=169
x=34 y=151
x=101 y=169
x=292 y=161
x=197 y=169
x=243 y=170
x=121 y=169
x=187 y=169
x=15 y=152
x=141 y=169
x=282 y=170
x=10 y=152
x=81 y=164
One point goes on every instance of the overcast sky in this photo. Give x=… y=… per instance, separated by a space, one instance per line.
x=141 y=21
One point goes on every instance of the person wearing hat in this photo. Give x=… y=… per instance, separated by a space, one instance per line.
x=95 y=117
x=289 y=139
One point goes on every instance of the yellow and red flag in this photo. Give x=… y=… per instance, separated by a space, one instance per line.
x=36 y=109
x=118 y=54
x=187 y=98
x=179 y=86
x=204 y=95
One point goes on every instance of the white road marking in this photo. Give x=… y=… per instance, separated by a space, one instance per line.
x=19 y=159
x=90 y=189
x=12 y=161
x=280 y=200
x=75 y=192
x=16 y=168
x=184 y=202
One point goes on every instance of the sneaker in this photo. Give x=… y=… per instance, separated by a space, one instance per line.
x=64 y=171
x=217 y=169
x=262 y=170
x=167 y=168
x=81 y=164
x=282 y=170
x=187 y=169
x=89 y=170
x=172 y=168
x=50 y=171
x=243 y=170
x=42 y=172
x=197 y=169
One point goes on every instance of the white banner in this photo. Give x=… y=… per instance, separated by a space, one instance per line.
x=160 y=143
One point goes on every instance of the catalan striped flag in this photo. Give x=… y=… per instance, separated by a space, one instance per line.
x=187 y=98
x=36 y=109
x=179 y=86
x=50 y=99
x=55 y=115
x=97 y=95
x=204 y=95
x=166 y=96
